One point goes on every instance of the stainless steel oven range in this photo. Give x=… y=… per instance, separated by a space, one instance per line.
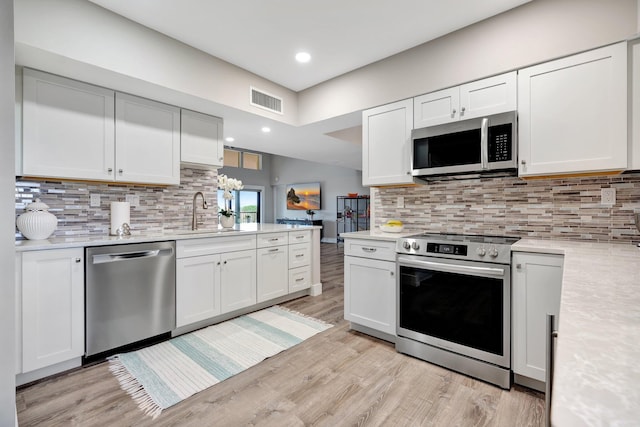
x=454 y=303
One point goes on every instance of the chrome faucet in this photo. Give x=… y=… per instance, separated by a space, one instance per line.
x=194 y=220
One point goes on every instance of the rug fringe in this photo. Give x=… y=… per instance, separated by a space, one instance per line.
x=303 y=315
x=130 y=385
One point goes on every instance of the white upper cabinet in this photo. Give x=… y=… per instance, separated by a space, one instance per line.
x=573 y=114
x=492 y=95
x=147 y=141
x=74 y=130
x=68 y=128
x=386 y=144
x=201 y=140
x=634 y=114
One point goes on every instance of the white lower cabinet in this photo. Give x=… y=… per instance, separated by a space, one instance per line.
x=52 y=307
x=273 y=272
x=237 y=280
x=197 y=289
x=537 y=282
x=370 y=289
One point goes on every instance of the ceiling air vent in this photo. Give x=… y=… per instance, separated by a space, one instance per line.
x=263 y=100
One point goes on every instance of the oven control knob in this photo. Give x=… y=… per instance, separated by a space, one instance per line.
x=406 y=245
x=493 y=252
x=481 y=251
x=415 y=246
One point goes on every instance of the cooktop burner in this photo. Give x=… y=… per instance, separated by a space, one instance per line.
x=493 y=249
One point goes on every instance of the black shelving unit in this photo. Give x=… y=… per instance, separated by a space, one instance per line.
x=352 y=214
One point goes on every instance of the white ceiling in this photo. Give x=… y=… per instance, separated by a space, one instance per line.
x=262 y=36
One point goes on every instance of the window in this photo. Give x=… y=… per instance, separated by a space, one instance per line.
x=242 y=159
x=247 y=202
x=251 y=161
x=231 y=158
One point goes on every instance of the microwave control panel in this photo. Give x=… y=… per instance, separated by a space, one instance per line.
x=500 y=143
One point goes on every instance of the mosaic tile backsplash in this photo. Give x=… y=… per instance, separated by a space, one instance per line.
x=567 y=208
x=159 y=209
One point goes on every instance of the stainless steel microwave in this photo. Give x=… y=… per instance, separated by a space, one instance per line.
x=485 y=145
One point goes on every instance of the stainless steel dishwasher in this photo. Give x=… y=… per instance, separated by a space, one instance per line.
x=130 y=294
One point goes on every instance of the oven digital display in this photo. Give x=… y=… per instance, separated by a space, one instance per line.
x=438 y=248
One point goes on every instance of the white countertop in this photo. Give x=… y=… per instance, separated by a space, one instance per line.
x=597 y=365
x=141 y=237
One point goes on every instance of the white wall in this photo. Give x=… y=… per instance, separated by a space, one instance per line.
x=535 y=32
x=334 y=181
x=7 y=217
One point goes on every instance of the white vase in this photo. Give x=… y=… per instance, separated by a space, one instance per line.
x=37 y=223
x=227 y=221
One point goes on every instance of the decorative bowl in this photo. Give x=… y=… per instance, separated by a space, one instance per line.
x=352 y=194
x=391 y=228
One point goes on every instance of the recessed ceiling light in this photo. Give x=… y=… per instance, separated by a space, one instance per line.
x=303 y=57
x=229 y=139
x=266 y=129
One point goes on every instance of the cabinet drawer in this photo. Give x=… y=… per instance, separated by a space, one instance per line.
x=374 y=249
x=214 y=245
x=299 y=255
x=272 y=239
x=300 y=236
x=299 y=278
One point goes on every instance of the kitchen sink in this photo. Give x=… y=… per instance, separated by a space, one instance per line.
x=202 y=231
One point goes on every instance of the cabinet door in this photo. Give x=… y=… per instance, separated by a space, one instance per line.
x=52 y=307
x=369 y=293
x=634 y=55
x=197 y=289
x=573 y=114
x=147 y=141
x=68 y=128
x=201 y=139
x=237 y=280
x=273 y=273
x=386 y=144
x=436 y=108
x=537 y=281
x=493 y=95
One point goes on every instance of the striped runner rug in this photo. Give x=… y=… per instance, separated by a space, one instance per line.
x=164 y=374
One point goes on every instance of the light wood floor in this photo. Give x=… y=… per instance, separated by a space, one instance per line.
x=336 y=378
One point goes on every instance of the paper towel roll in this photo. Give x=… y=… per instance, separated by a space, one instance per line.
x=120 y=213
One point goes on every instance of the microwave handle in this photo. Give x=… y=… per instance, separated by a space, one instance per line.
x=484 y=143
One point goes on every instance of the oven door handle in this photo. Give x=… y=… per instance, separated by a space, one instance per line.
x=452 y=268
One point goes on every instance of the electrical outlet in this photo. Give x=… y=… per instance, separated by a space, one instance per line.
x=133 y=199
x=400 y=202
x=94 y=201
x=608 y=196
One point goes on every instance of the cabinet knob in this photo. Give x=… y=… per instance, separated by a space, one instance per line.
x=518 y=266
x=462 y=110
x=110 y=170
x=218 y=262
x=120 y=171
x=523 y=162
x=391 y=272
x=453 y=112
x=225 y=262
x=78 y=259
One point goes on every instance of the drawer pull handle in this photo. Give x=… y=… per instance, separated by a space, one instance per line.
x=299 y=255
x=299 y=237
x=369 y=250
x=274 y=239
x=274 y=250
x=300 y=279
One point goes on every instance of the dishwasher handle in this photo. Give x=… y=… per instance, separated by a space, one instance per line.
x=124 y=256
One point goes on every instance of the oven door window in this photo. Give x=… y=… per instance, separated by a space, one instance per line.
x=458 y=308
